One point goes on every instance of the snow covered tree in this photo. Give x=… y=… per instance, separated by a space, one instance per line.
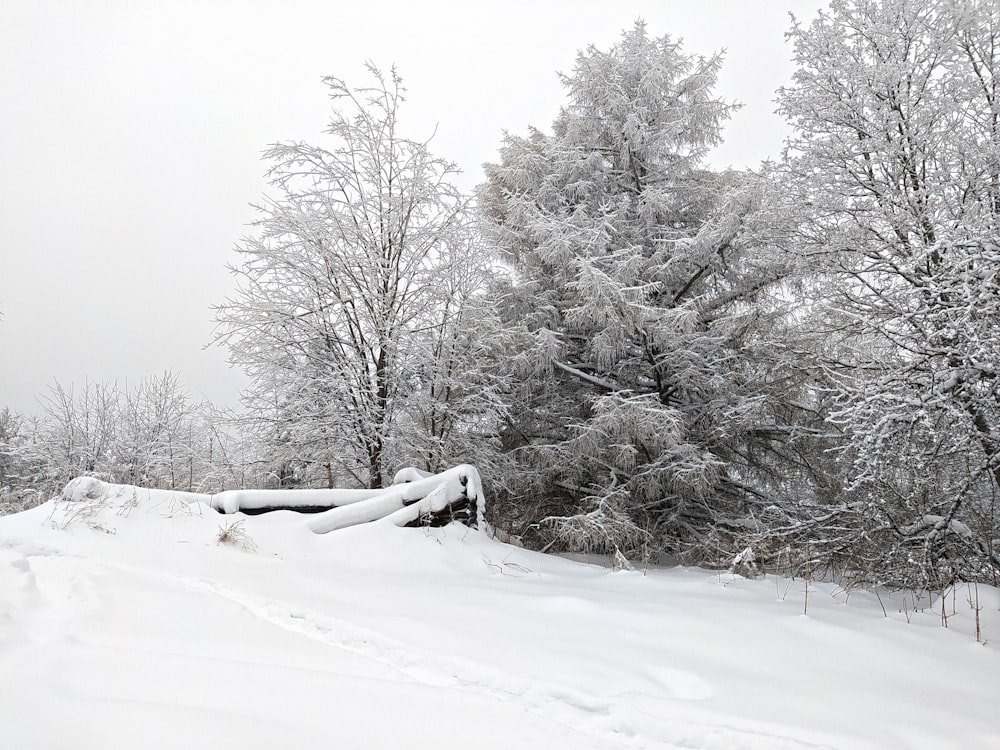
x=11 y=427
x=454 y=400
x=150 y=434
x=647 y=307
x=339 y=313
x=77 y=430
x=895 y=163
x=156 y=428
x=19 y=465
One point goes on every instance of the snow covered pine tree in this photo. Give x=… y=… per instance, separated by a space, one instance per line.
x=645 y=311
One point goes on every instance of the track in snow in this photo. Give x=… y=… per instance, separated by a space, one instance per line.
x=617 y=721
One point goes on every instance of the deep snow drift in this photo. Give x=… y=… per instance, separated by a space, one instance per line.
x=125 y=623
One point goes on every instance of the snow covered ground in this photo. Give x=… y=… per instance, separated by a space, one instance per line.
x=125 y=624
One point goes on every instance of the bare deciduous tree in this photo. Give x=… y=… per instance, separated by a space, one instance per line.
x=895 y=169
x=340 y=284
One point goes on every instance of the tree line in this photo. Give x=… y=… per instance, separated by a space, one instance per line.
x=792 y=367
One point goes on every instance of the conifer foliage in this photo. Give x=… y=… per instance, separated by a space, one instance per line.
x=642 y=307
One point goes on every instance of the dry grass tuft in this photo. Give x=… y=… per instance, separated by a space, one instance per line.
x=235 y=535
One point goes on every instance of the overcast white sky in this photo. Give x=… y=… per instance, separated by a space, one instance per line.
x=131 y=133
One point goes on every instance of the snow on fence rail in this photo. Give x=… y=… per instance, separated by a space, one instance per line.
x=405 y=503
x=415 y=497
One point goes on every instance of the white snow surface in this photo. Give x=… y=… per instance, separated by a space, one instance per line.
x=125 y=623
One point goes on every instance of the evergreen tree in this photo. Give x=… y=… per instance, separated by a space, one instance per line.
x=645 y=308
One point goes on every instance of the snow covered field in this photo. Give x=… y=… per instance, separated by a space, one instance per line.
x=129 y=626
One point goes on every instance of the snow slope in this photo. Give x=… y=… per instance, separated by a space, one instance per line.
x=124 y=623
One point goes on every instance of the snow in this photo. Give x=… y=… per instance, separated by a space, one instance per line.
x=394 y=504
x=231 y=501
x=409 y=474
x=413 y=493
x=124 y=623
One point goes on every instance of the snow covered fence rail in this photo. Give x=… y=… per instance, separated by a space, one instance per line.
x=253 y=502
x=455 y=491
x=416 y=497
